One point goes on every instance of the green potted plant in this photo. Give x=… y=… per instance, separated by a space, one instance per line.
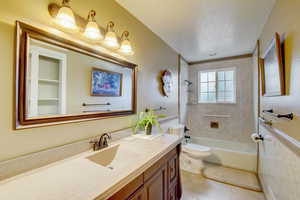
x=146 y=120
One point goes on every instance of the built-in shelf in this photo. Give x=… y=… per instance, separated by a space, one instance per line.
x=48 y=99
x=47 y=114
x=49 y=81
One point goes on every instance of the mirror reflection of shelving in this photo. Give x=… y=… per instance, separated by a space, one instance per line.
x=47 y=93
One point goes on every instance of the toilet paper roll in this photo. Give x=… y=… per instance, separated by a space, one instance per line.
x=256 y=138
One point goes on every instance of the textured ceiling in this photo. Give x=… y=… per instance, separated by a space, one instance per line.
x=198 y=29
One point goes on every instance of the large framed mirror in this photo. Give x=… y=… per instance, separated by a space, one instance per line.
x=59 y=81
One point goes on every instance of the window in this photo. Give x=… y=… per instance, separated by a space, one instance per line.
x=217 y=86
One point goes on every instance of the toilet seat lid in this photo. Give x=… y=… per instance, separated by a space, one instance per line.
x=195 y=148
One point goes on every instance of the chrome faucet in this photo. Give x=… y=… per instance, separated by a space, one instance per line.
x=102 y=142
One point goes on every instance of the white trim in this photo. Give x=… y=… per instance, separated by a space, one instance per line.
x=48 y=53
x=35 y=52
x=216 y=81
x=270 y=46
x=34 y=76
x=48 y=45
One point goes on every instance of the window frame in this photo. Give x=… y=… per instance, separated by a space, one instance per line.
x=216 y=70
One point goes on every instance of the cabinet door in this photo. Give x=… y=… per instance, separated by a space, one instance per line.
x=156 y=187
x=172 y=169
x=139 y=195
x=172 y=194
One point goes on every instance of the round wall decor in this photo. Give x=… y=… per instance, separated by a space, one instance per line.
x=167 y=83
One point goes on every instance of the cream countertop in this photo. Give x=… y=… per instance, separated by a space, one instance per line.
x=78 y=178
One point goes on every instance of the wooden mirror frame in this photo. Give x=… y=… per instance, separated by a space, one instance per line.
x=23 y=34
x=275 y=43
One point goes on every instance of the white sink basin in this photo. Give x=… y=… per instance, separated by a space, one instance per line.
x=114 y=157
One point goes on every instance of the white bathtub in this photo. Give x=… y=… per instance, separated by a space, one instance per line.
x=230 y=154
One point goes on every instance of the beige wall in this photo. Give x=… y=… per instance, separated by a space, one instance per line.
x=279 y=166
x=240 y=125
x=152 y=55
x=284 y=19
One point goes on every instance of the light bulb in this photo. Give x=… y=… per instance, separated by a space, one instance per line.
x=126 y=47
x=111 y=39
x=65 y=17
x=92 y=30
x=125 y=44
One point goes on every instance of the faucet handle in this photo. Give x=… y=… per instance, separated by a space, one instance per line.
x=94 y=142
x=109 y=135
x=106 y=135
x=103 y=141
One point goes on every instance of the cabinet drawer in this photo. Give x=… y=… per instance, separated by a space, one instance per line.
x=129 y=189
x=139 y=195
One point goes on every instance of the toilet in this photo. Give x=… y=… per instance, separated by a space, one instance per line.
x=191 y=157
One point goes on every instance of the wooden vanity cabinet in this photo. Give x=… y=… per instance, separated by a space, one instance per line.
x=159 y=182
x=139 y=195
x=156 y=186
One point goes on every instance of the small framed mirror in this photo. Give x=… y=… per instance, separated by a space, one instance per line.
x=272 y=69
x=58 y=80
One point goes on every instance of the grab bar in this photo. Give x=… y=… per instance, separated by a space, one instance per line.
x=289 y=116
x=88 y=111
x=156 y=109
x=218 y=116
x=96 y=104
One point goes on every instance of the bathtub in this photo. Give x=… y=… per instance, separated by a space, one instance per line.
x=230 y=154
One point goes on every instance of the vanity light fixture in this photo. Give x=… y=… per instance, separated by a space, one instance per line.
x=126 y=47
x=65 y=16
x=111 y=39
x=92 y=30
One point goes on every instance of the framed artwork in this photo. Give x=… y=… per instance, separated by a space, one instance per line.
x=272 y=69
x=167 y=83
x=106 y=83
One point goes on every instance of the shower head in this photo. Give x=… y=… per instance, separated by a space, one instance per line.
x=188 y=82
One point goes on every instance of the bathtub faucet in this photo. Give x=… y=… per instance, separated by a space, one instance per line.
x=186 y=129
x=187 y=138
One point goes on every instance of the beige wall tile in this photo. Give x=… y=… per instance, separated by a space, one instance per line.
x=240 y=125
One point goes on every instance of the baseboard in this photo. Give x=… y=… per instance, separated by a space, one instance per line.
x=265 y=189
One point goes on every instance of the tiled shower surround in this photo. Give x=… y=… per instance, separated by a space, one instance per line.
x=279 y=169
x=236 y=121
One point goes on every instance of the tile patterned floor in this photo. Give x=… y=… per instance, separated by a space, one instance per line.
x=196 y=187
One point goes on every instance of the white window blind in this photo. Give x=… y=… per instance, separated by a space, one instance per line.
x=217 y=86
